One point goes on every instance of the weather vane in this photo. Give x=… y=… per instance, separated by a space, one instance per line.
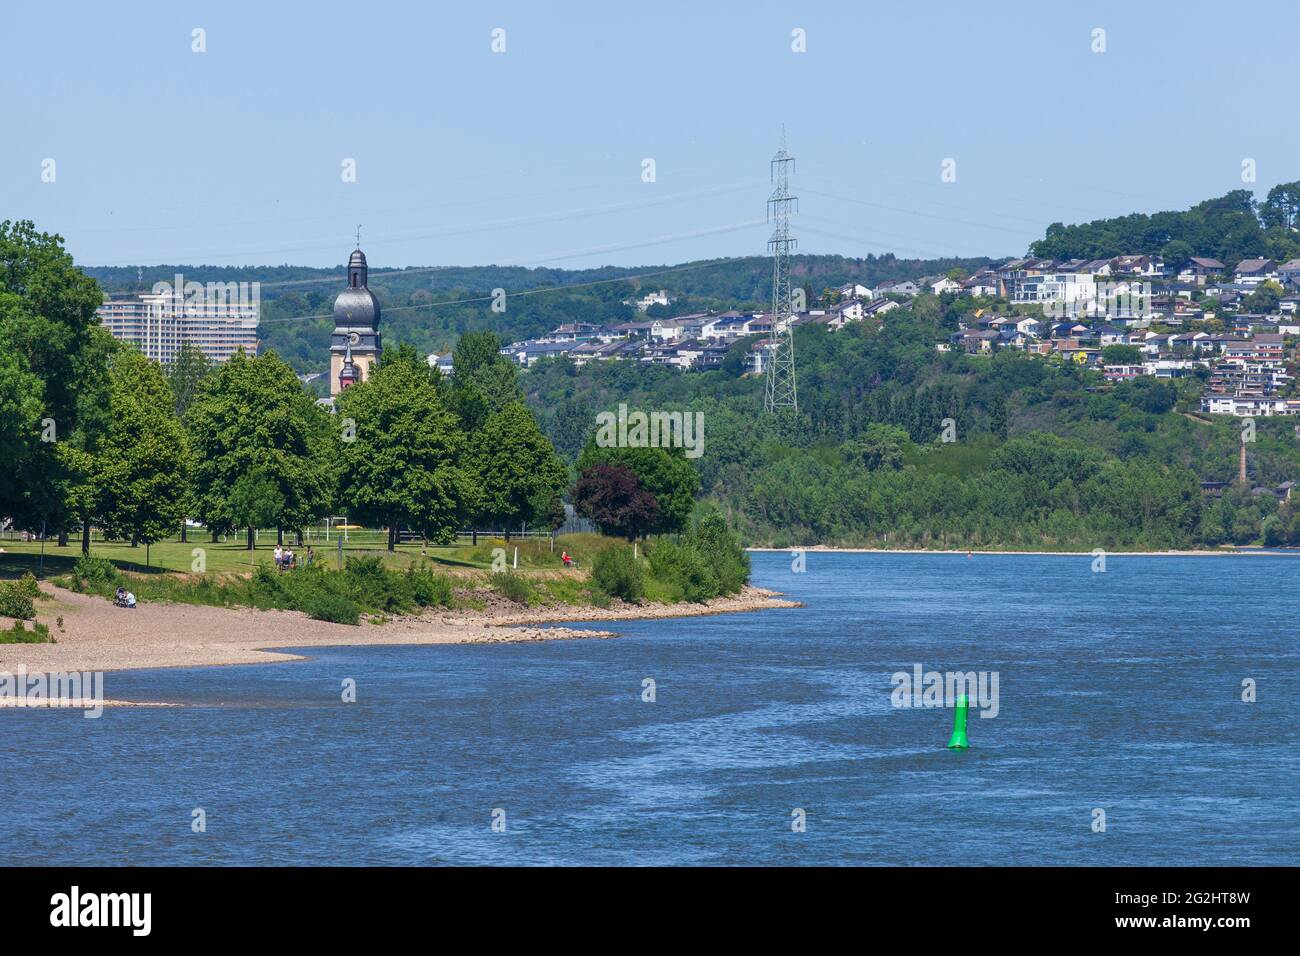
x=358 y=235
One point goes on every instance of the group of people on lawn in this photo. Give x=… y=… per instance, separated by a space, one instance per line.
x=286 y=560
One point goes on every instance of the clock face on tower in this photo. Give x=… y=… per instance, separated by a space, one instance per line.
x=354 y=337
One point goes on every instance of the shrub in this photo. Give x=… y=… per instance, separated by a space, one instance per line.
x=93 y=574
x=721 y=551
x=512 y=587
x=684 y=569
x=27 y=585
x=267 y=589
x=18 y=634
x=615 y=572
x=428 y=589
x=324 y=604
x=373 y=586
x=14 y=602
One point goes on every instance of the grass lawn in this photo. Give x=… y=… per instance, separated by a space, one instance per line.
x=231 y=556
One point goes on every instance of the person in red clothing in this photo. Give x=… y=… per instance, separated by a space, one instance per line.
x=568 y=561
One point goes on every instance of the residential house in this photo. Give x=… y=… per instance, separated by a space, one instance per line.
x=1252 y=272
x=1289 y=273
x=983 y=283
x=1198 y=269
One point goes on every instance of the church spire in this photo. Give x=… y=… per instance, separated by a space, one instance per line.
x=348 y=374
x=358 y=271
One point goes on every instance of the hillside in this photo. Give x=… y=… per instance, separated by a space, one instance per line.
x=1047 y=455
x=431 y=307
x=1231 y=228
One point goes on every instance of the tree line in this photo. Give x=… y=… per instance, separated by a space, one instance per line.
x=898 y=444
x=94 y=434
x=1230 y=228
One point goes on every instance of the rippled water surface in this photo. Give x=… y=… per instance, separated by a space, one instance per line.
x=1120 y=691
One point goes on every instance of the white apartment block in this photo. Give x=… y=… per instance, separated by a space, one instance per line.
x=219 y=321
x=1064 y=288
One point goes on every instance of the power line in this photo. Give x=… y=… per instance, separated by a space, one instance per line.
x=557 y=288
x=488 y=225
x=912 y=212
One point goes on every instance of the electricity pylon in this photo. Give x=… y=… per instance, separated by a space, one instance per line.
x=781 y=391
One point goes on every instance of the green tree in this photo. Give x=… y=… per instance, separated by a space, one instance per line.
x=256 y=501
x=483 y=380
x=405 y=466
x=1281 y=208
x=252 y=415
x=140 y=463
x=186 y=375
x=519 y=476
x=881 y=446
x=1121 y=355
x=47 y=328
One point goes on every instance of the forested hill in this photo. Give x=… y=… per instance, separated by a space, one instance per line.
x=1230 y=228
x=431 y=307
x=1045 y=455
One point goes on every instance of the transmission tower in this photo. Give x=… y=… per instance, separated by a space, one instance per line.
x=781 y=391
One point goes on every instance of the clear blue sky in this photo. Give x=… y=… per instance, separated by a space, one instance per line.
x=534 y=156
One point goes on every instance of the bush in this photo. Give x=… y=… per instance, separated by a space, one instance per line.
x=428 y=589
x=324 y=604
x=18 y=634
x=93 y=574
x=14 y=602
x=27 y=585
x=615 y=572
x=372 y=585
x=684 y=570
x=721 y=551
x=512 y=587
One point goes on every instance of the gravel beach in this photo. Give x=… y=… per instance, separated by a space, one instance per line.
x=96 y=636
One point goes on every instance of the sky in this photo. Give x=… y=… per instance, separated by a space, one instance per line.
x=537 y=155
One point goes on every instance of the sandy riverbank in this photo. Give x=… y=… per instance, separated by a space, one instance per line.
x=96 y=636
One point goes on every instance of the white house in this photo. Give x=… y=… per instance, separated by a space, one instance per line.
x=441 y=362
x=855 y=290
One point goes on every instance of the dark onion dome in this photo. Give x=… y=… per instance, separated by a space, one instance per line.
x=356 y=306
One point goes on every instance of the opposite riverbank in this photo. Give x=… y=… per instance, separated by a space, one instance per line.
x=96 y=636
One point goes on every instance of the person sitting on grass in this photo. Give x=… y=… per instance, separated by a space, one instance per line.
x=564 y=556
x=130 y=600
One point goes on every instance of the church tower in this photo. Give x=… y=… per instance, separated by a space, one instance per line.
x=356 y=342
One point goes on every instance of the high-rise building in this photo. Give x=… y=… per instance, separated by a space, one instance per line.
x=218 y=318
x=356 y=342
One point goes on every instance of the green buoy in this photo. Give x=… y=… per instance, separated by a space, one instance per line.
x=958 y=739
